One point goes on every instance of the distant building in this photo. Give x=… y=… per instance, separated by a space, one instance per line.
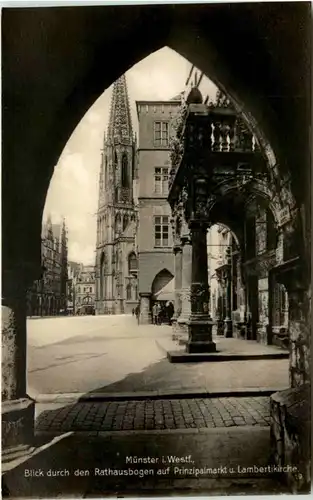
x=73 y=270
x=48 y=295
x=134 y=255
x=85 y=290
x=155 y=241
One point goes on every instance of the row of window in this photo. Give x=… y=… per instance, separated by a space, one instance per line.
x=84 y=289
x=85 y=300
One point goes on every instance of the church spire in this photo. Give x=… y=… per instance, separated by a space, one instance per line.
x=120 y=125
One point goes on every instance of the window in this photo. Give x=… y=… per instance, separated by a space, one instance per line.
x=128 y=292
x=161 y=180
x=90 y=289
x=125 y=222
x=161 y=134
x=132 y=263
x=161 y=230
x=125 y=178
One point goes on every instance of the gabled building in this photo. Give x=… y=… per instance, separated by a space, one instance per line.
x=84 y=290
x=48 y=296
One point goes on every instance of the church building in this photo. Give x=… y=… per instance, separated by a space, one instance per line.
x=116 y=249
x=134 y=254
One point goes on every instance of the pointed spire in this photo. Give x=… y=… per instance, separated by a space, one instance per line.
x=120 y=125
x=64 y=230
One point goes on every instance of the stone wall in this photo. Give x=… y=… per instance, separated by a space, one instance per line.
x=290 y=436
x=299 y=329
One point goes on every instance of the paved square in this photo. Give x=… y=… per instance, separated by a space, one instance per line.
x=155 y=414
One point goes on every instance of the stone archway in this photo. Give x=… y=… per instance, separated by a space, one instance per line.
x=40 y=112
x=160 y=281
x=235 y=80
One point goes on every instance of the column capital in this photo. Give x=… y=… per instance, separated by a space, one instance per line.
x=185 y=238
x=198 y=224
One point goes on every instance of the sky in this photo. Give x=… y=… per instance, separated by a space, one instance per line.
x=73 y=190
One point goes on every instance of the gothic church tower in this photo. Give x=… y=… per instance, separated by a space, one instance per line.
x=116 y=287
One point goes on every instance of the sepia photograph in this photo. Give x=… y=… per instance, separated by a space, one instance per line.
x=156 y=249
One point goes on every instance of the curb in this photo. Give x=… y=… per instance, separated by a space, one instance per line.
x=157 y=432
x=155 y=395
x=181 y=356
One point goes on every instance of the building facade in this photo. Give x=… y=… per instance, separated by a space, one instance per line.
x=245 y=294
x=73 y=270
x=116 y=247
x=84 y=290
x=48 y=295
x=134 y=256
x=155 y=242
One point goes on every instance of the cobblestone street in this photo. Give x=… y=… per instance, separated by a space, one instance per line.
x=158 y=414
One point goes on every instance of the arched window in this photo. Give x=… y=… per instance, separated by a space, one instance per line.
x=116 y=260
x=102 y=268
x=132 y=263
x=271 y=231
x=125 y=222
x=125 y=173
x=106 y=172
x=128 y=292
x=118 y=223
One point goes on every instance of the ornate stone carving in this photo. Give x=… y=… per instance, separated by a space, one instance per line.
x=199 y=297
x=203 y=200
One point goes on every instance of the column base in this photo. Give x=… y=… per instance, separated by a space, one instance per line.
x=18 y=422
x=228 y=328
x=181 y=332
x=199 y=347
x=200 y=336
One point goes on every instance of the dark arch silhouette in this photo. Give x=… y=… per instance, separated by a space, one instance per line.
x=255 y=84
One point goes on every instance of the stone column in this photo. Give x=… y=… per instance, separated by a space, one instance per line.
x=178 y=285
x=145 y=314
x=228 y=324
x=199 y=323
x=182 y=327
x=17 y=407
x=219 y=312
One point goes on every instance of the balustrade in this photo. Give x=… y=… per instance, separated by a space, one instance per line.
x=221 y=131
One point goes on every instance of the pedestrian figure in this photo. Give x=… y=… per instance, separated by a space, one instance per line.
x=133 y=311
x=137 y=312
x=155 y=314
x=170 y=312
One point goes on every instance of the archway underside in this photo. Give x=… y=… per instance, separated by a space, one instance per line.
x=267 y=84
